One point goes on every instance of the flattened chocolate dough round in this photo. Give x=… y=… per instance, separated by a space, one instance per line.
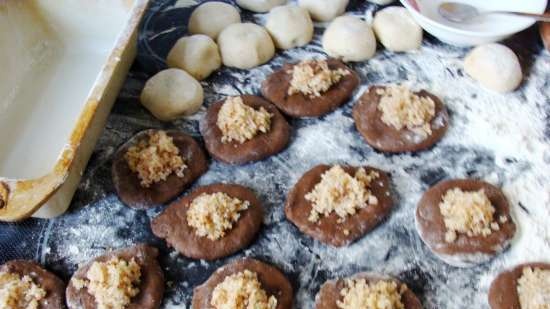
x=383 y=137
x=272 y=280
x=50 y=283
x=544 y=29
x=275 y=89
x=151 y=286
x=172 y=226
x=328 y=229
x=503 y=293
x=127 y=183
x=465 y=251
x=259 y=147
x=329 y=293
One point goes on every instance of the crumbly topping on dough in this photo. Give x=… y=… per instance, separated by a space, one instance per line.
x=112 y=283
x=212 y=215
x=402 y=108
x=155 y=159
x=469 y=213
x=358 y=293
x=341 y=193
x=18 y=292
x=240 y=122
x=314 y=77
x=242 y=290
x=534 y=289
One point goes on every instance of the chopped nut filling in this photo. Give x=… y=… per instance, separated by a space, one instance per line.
x=212 y=215
x=358 y=293
x=534 y=289
x=4 y=193
x=18 y=292
x=402 y=108
x=240 y=122
x=155 y=159
x=313 y=78
x=112 y=283
x=341 y=193
x=242 y=290
x=469 y=213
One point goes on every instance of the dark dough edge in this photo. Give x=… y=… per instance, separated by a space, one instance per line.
x=151 y=288
x=273 y=281
x=172 y=226
x=503 y=292
x=275 y=89
x=386 y=138
x=259 y=147
x=327 y=229
x=127 y=183
x=50 y=283
x=464 y=251
x=329 y=293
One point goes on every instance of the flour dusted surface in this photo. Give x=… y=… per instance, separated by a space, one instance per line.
x=502 y=139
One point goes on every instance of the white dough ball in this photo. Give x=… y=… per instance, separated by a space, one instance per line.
x=198 y=55
x=350 y=39
x=245 y=46
x=260 y=6
x=172 y=93
x=396 y=29
x=324 y=10
x=211 y=18
x=290 y=26
x=381 y=2
x=494 y=66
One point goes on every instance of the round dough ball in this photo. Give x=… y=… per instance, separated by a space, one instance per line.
x=350 y=39
x=324 y=10
x=381 y=2
x=212 y=17
x=494 y=66
x=260 y=6
x=245 y=46
x=290 y=26
x=198 y=55
x=396 y=29
x=172 y=93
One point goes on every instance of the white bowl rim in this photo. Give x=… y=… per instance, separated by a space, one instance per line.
x=434 y=23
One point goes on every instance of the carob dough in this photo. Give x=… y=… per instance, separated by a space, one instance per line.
x=272 y=280
x=275 y=89
x=127 y=183
x=503 y=293
x=259 y=147
x=172 y=226
x=50 y=283
x=545 y=34
x=383 y=137
x=151 y=287
x=327 y=229
x=465 y=251
x=329 y=293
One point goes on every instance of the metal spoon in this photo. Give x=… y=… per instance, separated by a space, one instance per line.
x=461 y=12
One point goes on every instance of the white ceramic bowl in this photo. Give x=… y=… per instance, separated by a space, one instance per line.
x=491 y=28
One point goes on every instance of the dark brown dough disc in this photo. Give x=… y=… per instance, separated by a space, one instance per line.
x=328 y=230
x=151 y=287
x=127 y=183
x=503 y=293
x=172 y=226
x=259 y=147
x=275 y=89
x=273 y=282
x=50 y=283
x=329 y=293
x=545 y=34
x=465 y=251
x=368 y=121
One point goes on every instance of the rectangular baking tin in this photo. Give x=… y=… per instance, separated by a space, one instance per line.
x=63 y=63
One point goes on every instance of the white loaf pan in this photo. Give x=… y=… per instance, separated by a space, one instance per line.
x=63 y=63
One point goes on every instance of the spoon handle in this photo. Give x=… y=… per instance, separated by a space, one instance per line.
x=539 y=17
